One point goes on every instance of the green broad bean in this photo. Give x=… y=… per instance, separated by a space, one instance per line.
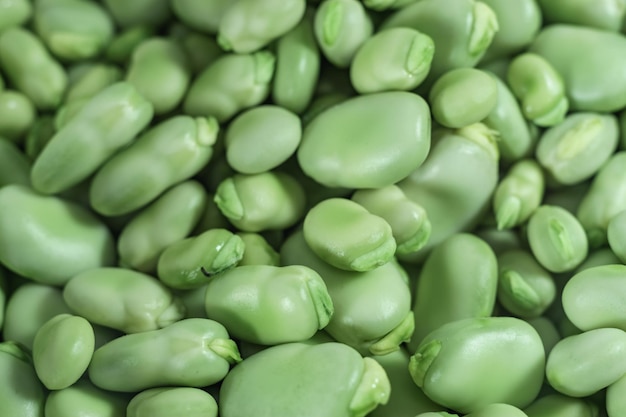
x=259 y=202
x=189 y=263
x=124 y=43
x=593 y=83
x=372 y=310
x=107 y=122
x=122 y=299
x=14 y=165
x=257 y=251
x=165 y=402
x=603 y=14
x=603 y=200
x=139 y=12
x=436 y=414
x=297 y=67
x=386 y=152
x=341 y=27
x=462 y=96
x=515 y=140
x=458 y=280
x=21 y=393
x=63 y=238
x=14 y=13
x=616 y=232
x=201 y=15
x=497 y=410
x=303 y=376
x=31 y=69
x=249 y=25
x=518 y=24
x=461 y=29
x=39 y=134
x=262 y=138
x=455 y=183
x=583 y=364
x=95 y=79
x=547 y=331
x=525 y=288
x=269 y=305
x=168 y=153
x=573 y=151
x=168 y=219
x=518 y=194
x=598 y=257
x=593 y=298
x=380 y=5
x=73 y=29
x=231 y=83
x=62 y=350
x=557 y=405
x=21 y=321
x=468 y=364
x=192 y=353
x=67 y=112
x=539 y=88
x=160 y=71
x=392 y=59
x=83 y=399
x=556 y=238
x=615 y=403
x=347 y=236
x=17 y=115
x=409 y=222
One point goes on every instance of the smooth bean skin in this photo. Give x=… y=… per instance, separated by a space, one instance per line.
x=14 y=165
x=139 y=12
x=73 y=29
x=21 y=393
x=615 y=403
x=231 y=83
x=605 y=199
x=458 y=280
x=558 y=405
x=249 y=25
x=498 y=410
x=168 y=153
x=387 y=150
x=576 y=149
x=583 y=364
x=31 y=69
x=165 y=402
x=593 y=83
x=262 y=138
x=298 y=61
x=469 y=30
x=159 y=70
x=170 y=218
x=372 y=310
x=455 y=183
x=63 y=238
x=122 y=299
x=297 y=380
x=593 y=298
x=269 y=305
x=83 y=399
x=124 y=42
x=201 y=15
x=14 y=13
x=341 y=27
x=258 y=202
x=189 y=263
x=616 y=230
x=94 y=79
x=556 y=238
x=17 y=114
x=539 y=88
x=192 y=352
x=467 y=364
x=518 y=194
x=409 y=222
x=604 y=14
x=257 y=251
x=392 y=59
x=62 y=350
x=108 y=121
x=524 y=288
x=347 y=236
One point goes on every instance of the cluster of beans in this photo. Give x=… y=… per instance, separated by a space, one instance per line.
x=332 y=208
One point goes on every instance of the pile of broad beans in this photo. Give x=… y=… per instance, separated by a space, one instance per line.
x=335 y=208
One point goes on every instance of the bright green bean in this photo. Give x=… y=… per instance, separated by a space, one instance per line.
x=603 y=14
x=83 y=399
x=21 y=393
x=164 y=402
x=557 y=405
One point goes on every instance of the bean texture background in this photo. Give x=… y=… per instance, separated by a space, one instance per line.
x=312 y=208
